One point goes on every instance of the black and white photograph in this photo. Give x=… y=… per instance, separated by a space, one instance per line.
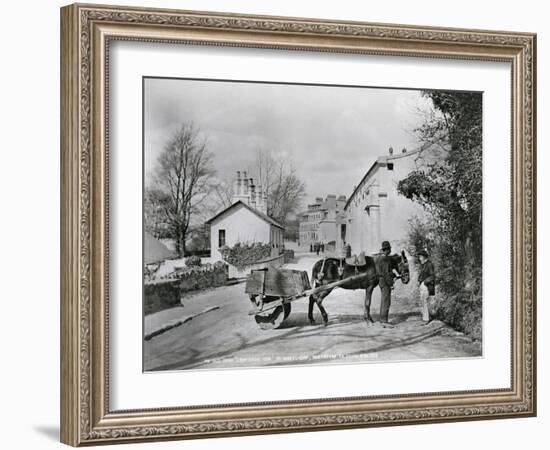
x=295 y=224
x=267 y=225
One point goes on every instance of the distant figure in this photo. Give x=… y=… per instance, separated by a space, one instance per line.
x=426 y=277
x=317 y=248
x=323 y=248
x=311 y=248
x=348 y=250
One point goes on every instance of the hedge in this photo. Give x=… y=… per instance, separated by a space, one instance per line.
x=245 y=254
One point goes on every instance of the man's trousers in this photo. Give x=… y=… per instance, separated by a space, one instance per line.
x=385 y=301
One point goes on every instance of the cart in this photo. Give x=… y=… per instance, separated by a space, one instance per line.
x=272 y=291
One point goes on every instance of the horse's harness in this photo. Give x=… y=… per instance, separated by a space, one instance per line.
x=321 y=273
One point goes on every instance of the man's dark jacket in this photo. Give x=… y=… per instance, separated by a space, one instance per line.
x=427 y=276
x=384 y=269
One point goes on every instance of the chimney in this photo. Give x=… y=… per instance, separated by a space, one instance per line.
x=237 y=190
x=252 y=196
x=241 y=188
x=245 y=188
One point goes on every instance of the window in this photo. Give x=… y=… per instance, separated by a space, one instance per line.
x=221 y=238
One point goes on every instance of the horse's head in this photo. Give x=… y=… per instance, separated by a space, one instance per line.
x=403 y=267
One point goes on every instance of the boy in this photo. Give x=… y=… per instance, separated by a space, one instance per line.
x=426 y=276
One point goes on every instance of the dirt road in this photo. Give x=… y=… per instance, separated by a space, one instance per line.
x=229 y=337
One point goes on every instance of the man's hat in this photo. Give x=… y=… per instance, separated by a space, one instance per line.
x=386 y=246
x=422 y=253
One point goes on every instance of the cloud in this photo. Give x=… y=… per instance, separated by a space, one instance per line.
x=332 y=134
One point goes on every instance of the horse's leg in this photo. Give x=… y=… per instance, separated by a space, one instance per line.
x=319 y=300
x=368 y=298
x=312 y=298
x=310 y=310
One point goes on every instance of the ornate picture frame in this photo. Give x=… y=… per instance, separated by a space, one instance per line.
x=86 y=34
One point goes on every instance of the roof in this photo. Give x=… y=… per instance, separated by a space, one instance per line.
x=381 y=161
x=154 y=251
x=261 y=215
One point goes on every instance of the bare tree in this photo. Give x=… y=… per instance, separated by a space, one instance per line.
x=185 y=174
x=281 y=183
x=222 y=194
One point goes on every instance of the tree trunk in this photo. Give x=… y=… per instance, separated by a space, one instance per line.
x=180 y=243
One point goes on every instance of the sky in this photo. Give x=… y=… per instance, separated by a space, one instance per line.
x=331 y=134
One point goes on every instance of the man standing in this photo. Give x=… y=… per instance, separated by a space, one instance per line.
x=385 y=281
x=426 y=277
x=348 y=250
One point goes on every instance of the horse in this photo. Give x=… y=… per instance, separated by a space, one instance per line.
x=329 y=270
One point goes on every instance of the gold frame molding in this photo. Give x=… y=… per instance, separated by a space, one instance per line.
x=86 y=31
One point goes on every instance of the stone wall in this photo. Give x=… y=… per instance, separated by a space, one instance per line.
x=168 y=292
x=198 y=278
x=161 y=294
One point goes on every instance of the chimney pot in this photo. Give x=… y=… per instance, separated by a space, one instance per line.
x=252 y=194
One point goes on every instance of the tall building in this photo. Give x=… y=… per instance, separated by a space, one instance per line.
x=321 y=221
x=375 y=212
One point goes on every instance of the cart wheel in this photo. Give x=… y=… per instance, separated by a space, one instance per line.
x=287 y=308
x=272 y=319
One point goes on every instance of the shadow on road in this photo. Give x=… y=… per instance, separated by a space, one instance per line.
x=192 y=361
x=381 y=338
x=300 y=319
x=403 y=317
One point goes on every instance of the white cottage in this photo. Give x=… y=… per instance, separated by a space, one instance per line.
x=245 y=221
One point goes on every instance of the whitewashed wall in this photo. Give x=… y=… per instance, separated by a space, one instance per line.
x=240 y=225
x=389 y=212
